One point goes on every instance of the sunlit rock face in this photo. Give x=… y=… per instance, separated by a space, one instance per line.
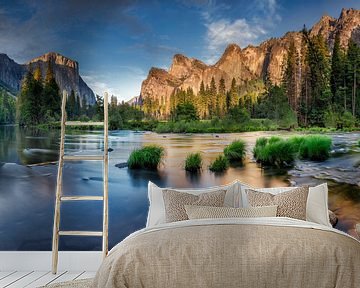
x=66 y=73
x=250 y=63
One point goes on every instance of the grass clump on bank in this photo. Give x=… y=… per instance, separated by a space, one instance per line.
x=315 y=147
x=220 y=164
x=193 y=162
x=235 y=151
x=283 y=152
x=148 y=157
x=274 y=152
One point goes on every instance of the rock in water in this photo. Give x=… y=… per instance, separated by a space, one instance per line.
x=121 y=165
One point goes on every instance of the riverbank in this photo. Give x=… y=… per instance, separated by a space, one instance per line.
x=203 y=126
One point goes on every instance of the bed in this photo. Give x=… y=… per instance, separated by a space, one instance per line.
x=234 y=251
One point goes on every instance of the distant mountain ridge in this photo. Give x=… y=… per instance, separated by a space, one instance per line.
x=251 y=63
x=66 y=73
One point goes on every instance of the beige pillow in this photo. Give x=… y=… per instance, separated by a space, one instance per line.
x=290 y=204
x=201 y=212
x=175 y=201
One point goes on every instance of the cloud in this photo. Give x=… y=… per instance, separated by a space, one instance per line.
x=221 y=31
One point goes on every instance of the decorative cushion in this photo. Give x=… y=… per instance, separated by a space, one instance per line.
x=201 y=212
x=316 y=207
x=290 y=204
x=175 y=202
x=333 y=218
x=156 y=214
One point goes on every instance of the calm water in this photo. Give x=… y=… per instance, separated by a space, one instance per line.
x=27 y=193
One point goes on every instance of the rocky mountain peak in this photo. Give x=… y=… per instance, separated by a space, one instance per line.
x=349 y=26
x=56 y=58
x=231 y=49
x=66 y=72
x=252 y=63
x=183 y=66
x=325 y=26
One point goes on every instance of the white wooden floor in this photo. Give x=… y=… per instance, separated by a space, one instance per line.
x=32 y=279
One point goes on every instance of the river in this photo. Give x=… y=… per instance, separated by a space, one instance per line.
x=27 y=193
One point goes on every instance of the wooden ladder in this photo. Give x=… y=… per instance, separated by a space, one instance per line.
x=59 y=197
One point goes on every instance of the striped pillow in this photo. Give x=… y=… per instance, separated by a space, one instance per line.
x=201 y=212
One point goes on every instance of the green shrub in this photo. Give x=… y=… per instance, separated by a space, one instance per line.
x=193 y=162
x=279 y=153
x=220 y=164
x=260 y=143
x=235 y=151
x=315 y=147
x=297 y=141
x=274 y=139
x=148 y=157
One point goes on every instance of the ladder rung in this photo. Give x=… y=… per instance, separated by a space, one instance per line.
x=79 y=123
x=81 y=198
x=80 y=233
x=84 y=157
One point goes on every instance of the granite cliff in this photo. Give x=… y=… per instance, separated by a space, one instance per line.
x=250 y=63
x=66 y=73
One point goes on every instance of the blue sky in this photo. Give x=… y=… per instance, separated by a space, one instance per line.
x=116 y=42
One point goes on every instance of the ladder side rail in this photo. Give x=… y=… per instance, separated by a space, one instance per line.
x=55 y=242
x=106 y=178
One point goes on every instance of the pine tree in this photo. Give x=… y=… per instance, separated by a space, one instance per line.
x=319 y=67
x=29 y=106
x=99 y=107
x=290 y=76
x=212 y=97
x=305 y=95
x=352 y=73
x=234 y=95
x=38 y=74
x=202 y=101
x=222 y=98
x=77 y=106
x=84 y=106
x=70 y=106
x=337 y=73
x=51 y=96
x=113 y=101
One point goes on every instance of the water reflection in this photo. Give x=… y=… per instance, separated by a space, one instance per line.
x=27 y=194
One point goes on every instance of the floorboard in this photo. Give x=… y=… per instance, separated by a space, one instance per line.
x=28 y=279
x=34 y=279
x=5 y=274
x=46 y=279
x=12 y=278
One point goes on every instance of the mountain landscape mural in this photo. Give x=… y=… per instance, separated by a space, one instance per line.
x=201 y=93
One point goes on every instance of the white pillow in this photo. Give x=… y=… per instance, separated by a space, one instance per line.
x=317 y=202
x=156 y=214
